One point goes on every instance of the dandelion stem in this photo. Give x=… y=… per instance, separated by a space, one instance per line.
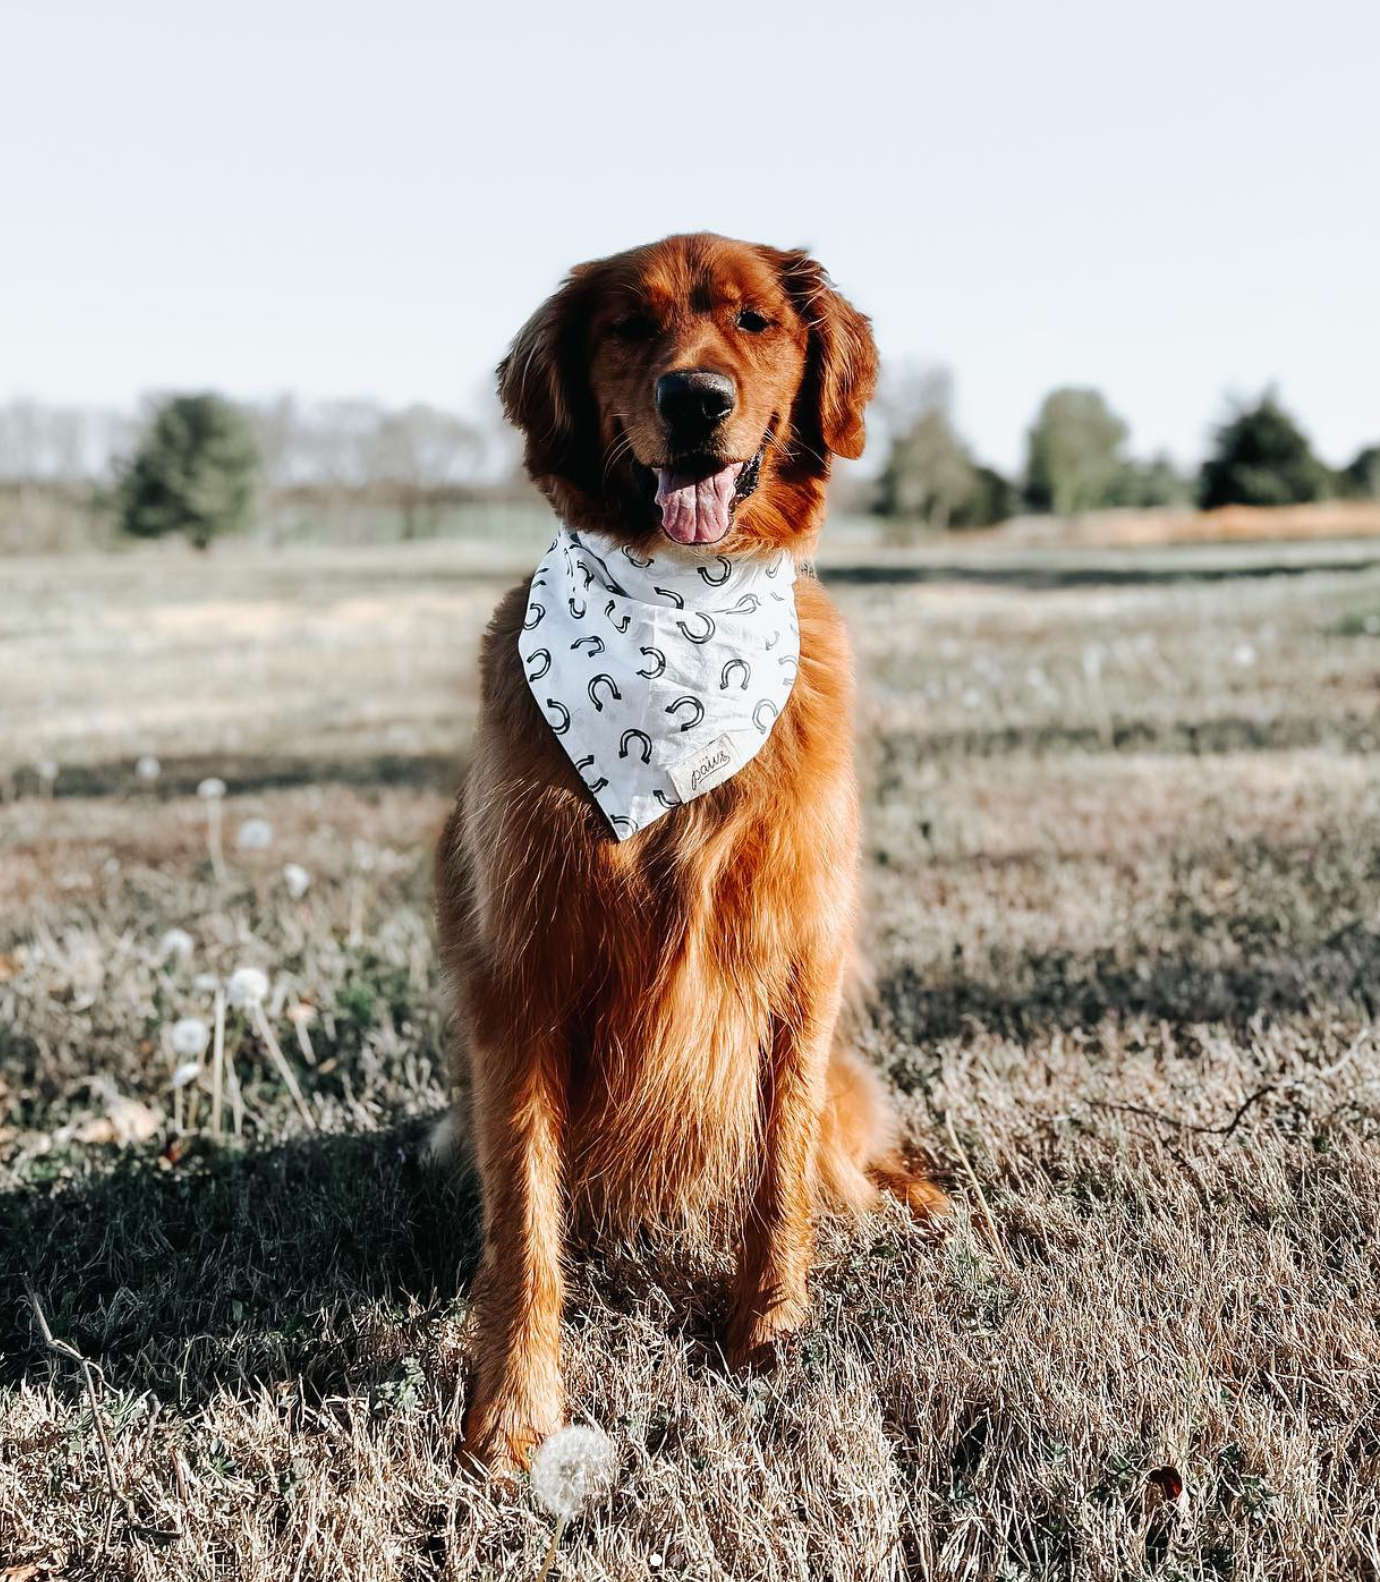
x=90 y=1372
x=265 y=1031
x=213 y=840
x=551 y=1550
x=232 y=1076
x=218 y=1063
x=304 y=1041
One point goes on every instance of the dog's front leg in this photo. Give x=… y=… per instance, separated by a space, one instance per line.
x=770 y=1295
x=519 y=1122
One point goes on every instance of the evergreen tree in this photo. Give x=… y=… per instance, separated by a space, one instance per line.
x=1261 y=457
x=195 y=472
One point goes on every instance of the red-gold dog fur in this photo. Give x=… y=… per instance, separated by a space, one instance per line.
x=649 y=1026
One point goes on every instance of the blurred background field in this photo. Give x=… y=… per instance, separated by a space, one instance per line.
x=273 y=665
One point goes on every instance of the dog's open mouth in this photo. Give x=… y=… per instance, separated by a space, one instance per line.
x=697 y=496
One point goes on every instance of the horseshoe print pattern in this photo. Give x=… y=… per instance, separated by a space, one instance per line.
x=696 y=711
x=696 y=659
x=599 y=571
x=636 y=735
x=709 y=628
x=593 y=690
x=594 y=785
x=724 y=575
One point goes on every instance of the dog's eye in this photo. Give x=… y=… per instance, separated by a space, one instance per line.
x=752 y=322
x=634 y=327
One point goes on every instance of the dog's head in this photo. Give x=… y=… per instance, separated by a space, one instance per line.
x=697 y=387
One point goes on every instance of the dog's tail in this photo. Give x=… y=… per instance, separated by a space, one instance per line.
x=920 y=1195
x=858 y=1154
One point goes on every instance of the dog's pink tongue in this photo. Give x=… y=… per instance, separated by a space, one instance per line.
x=696 y=510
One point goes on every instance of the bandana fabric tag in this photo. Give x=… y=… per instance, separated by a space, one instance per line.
x=660 y=678
x=705 y=768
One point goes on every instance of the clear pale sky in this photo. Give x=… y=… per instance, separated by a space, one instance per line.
x=1170 y=201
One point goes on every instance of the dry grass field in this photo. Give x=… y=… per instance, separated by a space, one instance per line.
x=1124 y=908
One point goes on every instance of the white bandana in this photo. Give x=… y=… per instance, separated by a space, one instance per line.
x=661 y=679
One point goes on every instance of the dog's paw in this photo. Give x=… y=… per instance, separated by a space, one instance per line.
x=501 y=1433
x=757 y=1334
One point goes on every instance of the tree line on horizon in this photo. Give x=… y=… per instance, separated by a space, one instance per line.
x=1076 y=462
x=201 y=464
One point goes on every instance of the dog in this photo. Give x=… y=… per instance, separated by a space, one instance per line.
x=649 y=990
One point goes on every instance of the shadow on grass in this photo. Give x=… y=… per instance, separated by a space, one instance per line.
x=314 y=1261
x=1034 y=992
x=1049 y=575
x=248 y=772
x=1352 y=733
x=443 y=772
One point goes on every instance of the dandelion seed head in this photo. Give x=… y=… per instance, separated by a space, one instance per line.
x=211 y=789
x=255 y=834
x=176 y=942
x=47 y=770
x=148 y=768
x=187 y=1072
x=575 y=1467
x=247 y=986
x=297 y=880
x=206 y=982
x=190 y=1036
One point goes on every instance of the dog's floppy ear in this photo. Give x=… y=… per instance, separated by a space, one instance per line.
x=543 y=387
x=841 y=372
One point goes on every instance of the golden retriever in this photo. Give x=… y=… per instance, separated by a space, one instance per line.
x=650 y=1024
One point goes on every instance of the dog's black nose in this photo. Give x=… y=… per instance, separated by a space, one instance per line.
x=691 y=403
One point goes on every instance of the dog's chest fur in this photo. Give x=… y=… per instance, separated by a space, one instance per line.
x=665 y=962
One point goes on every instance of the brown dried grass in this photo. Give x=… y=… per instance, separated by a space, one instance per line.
x=1126 y=923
